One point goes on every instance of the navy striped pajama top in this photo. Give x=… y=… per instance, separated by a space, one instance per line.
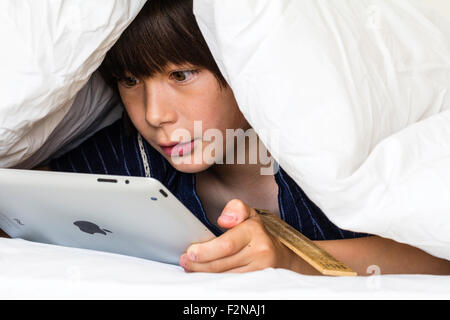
x=112 y=151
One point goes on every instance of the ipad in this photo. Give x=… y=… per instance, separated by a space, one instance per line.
x=133 y=216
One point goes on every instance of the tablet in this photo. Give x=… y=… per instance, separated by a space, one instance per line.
x=133 y=216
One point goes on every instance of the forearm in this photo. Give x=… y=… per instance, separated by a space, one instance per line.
x=390 y=257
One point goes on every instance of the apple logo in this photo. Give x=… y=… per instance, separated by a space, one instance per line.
x=90 y=227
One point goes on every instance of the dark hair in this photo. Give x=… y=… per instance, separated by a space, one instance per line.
x=164 y=31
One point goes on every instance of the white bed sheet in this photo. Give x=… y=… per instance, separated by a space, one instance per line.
x=39 y=271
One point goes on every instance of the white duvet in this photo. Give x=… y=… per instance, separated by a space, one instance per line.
x=39 y=271
x=356 y=93
x=50 y=49
x=352 y=97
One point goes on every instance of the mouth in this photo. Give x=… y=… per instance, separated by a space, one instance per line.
x=178 y=149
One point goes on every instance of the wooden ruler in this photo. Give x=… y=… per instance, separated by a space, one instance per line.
x=321 y=260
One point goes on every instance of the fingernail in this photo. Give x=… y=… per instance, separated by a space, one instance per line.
x=228 y=217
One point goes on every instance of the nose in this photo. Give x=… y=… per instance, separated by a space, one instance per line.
x=158 y=110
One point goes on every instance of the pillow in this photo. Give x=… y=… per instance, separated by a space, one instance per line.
x=352 y=98
x=53 y=47
x=95 y=107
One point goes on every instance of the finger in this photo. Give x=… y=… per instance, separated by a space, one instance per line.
x=243 y=269
x=227 y=244
x=235 y=261
x=235 y=212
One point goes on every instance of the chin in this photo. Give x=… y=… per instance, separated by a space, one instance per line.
x=193 y=163
x=190 y=168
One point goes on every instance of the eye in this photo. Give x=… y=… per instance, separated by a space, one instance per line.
x=129 y=82
x=183 y=76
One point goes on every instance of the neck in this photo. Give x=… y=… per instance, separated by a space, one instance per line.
x=248 y=168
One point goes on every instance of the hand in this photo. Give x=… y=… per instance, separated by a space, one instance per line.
x=246 y=246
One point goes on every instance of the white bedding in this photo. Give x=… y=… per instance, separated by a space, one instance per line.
x=31 y=270
x=53 y=48
x=38 y=271
x=352 y=98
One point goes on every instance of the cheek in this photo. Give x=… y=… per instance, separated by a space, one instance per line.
x=137 y=117
x=228 y=116
x=221 y=111
x=134 y=109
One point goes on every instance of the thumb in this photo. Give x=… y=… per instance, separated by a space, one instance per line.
x=234 y=212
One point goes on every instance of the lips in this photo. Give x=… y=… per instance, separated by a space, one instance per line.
x=179 y=149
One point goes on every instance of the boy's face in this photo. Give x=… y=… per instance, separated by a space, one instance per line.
x=163 y=109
